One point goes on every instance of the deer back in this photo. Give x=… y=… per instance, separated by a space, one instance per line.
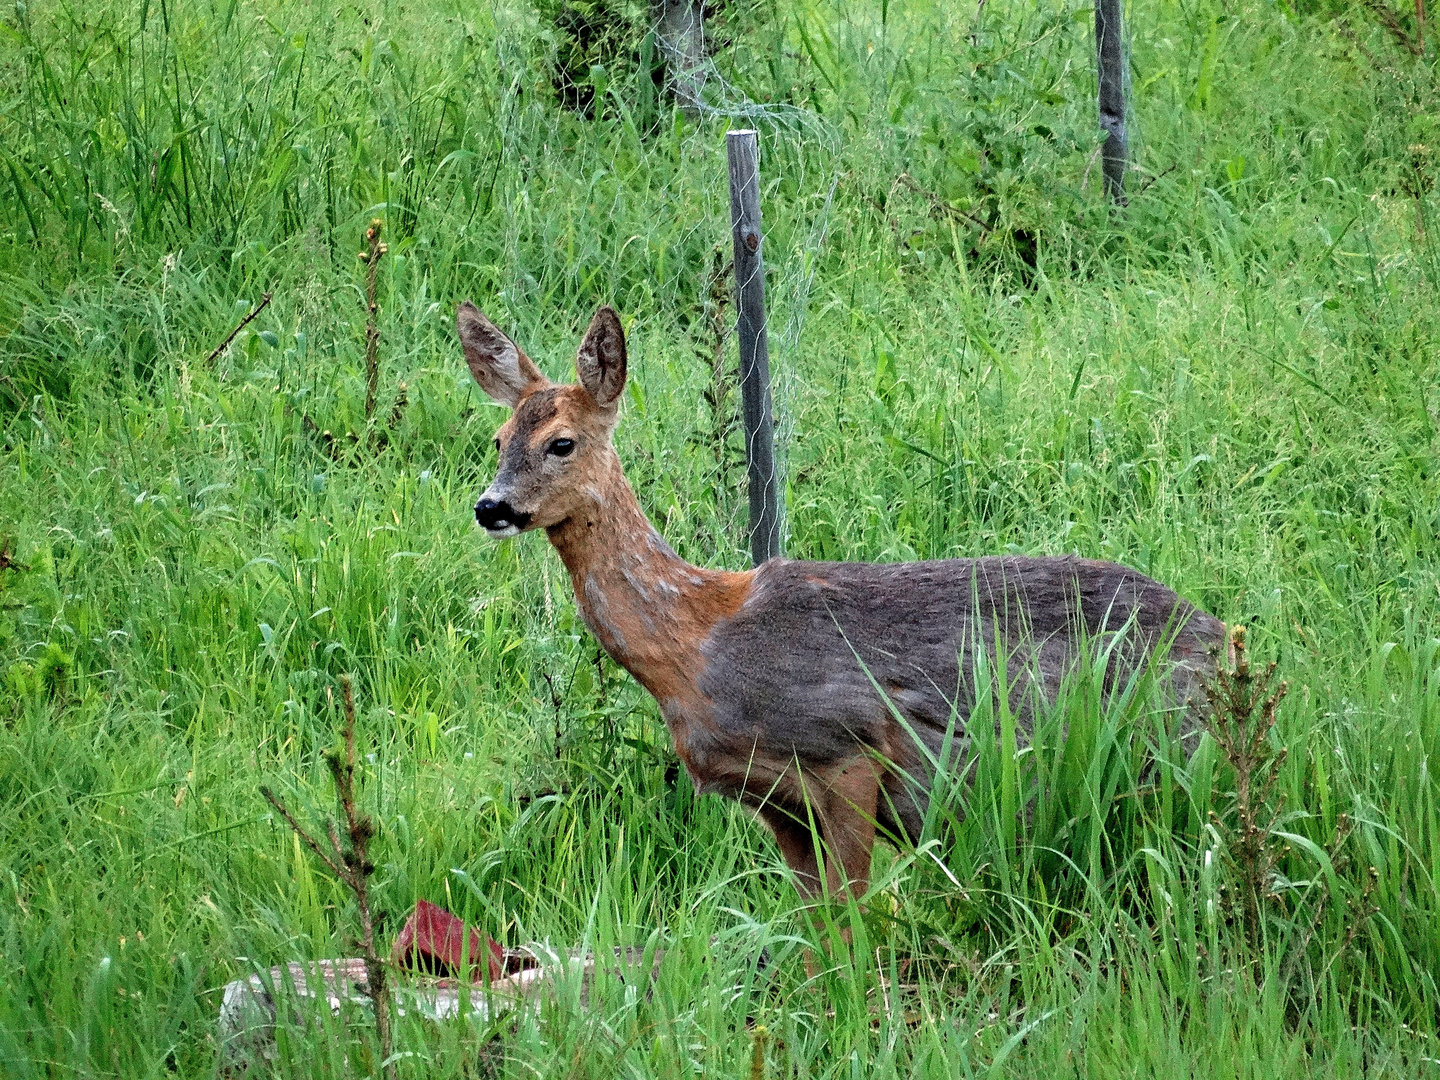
x=800 y=671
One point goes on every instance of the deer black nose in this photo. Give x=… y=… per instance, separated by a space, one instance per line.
x=499 y=515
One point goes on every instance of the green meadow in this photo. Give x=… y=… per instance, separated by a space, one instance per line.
x=1232 y=385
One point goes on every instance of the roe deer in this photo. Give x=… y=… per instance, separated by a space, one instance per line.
x=770 y=680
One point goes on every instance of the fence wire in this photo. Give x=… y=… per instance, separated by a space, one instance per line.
x=806 y=134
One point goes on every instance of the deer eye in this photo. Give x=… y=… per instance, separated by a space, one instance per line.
x=562 y=447
x=497 y=446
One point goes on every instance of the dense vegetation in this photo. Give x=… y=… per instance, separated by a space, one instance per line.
x=1232 y=385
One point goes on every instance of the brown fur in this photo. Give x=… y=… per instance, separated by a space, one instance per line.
x=768 y=679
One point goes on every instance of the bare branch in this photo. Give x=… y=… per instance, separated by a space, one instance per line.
x=284 y=811
x=264 y=302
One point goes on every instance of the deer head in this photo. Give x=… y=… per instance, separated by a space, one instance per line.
x=555 y=453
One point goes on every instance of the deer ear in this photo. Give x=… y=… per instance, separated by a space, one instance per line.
x=498 y=364
x=600 y=362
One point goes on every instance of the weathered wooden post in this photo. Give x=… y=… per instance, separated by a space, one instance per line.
x=743 y=150
x=680 y=33
x=1110 y=61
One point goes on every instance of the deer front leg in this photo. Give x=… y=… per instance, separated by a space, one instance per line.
x=834 y=825
x=797 y=848
x=842 y=808
x=851 y=799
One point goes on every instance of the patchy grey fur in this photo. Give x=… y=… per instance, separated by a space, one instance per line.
x=523 y=461
x=794 y=674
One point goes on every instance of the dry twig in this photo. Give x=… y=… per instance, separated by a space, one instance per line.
x=371 y=258
x=1146 y=186
x=246 y=321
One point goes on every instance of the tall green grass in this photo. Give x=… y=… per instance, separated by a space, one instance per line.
x=1232 y=387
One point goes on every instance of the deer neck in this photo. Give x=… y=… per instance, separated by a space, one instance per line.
x=650 y=609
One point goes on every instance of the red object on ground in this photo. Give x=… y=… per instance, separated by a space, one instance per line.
x=432 y=940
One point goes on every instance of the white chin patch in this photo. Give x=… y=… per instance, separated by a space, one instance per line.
x=501 y=534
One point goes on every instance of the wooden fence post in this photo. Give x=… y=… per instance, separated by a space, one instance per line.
x=680 y=33
x=743 y=150
x=1110 y=61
